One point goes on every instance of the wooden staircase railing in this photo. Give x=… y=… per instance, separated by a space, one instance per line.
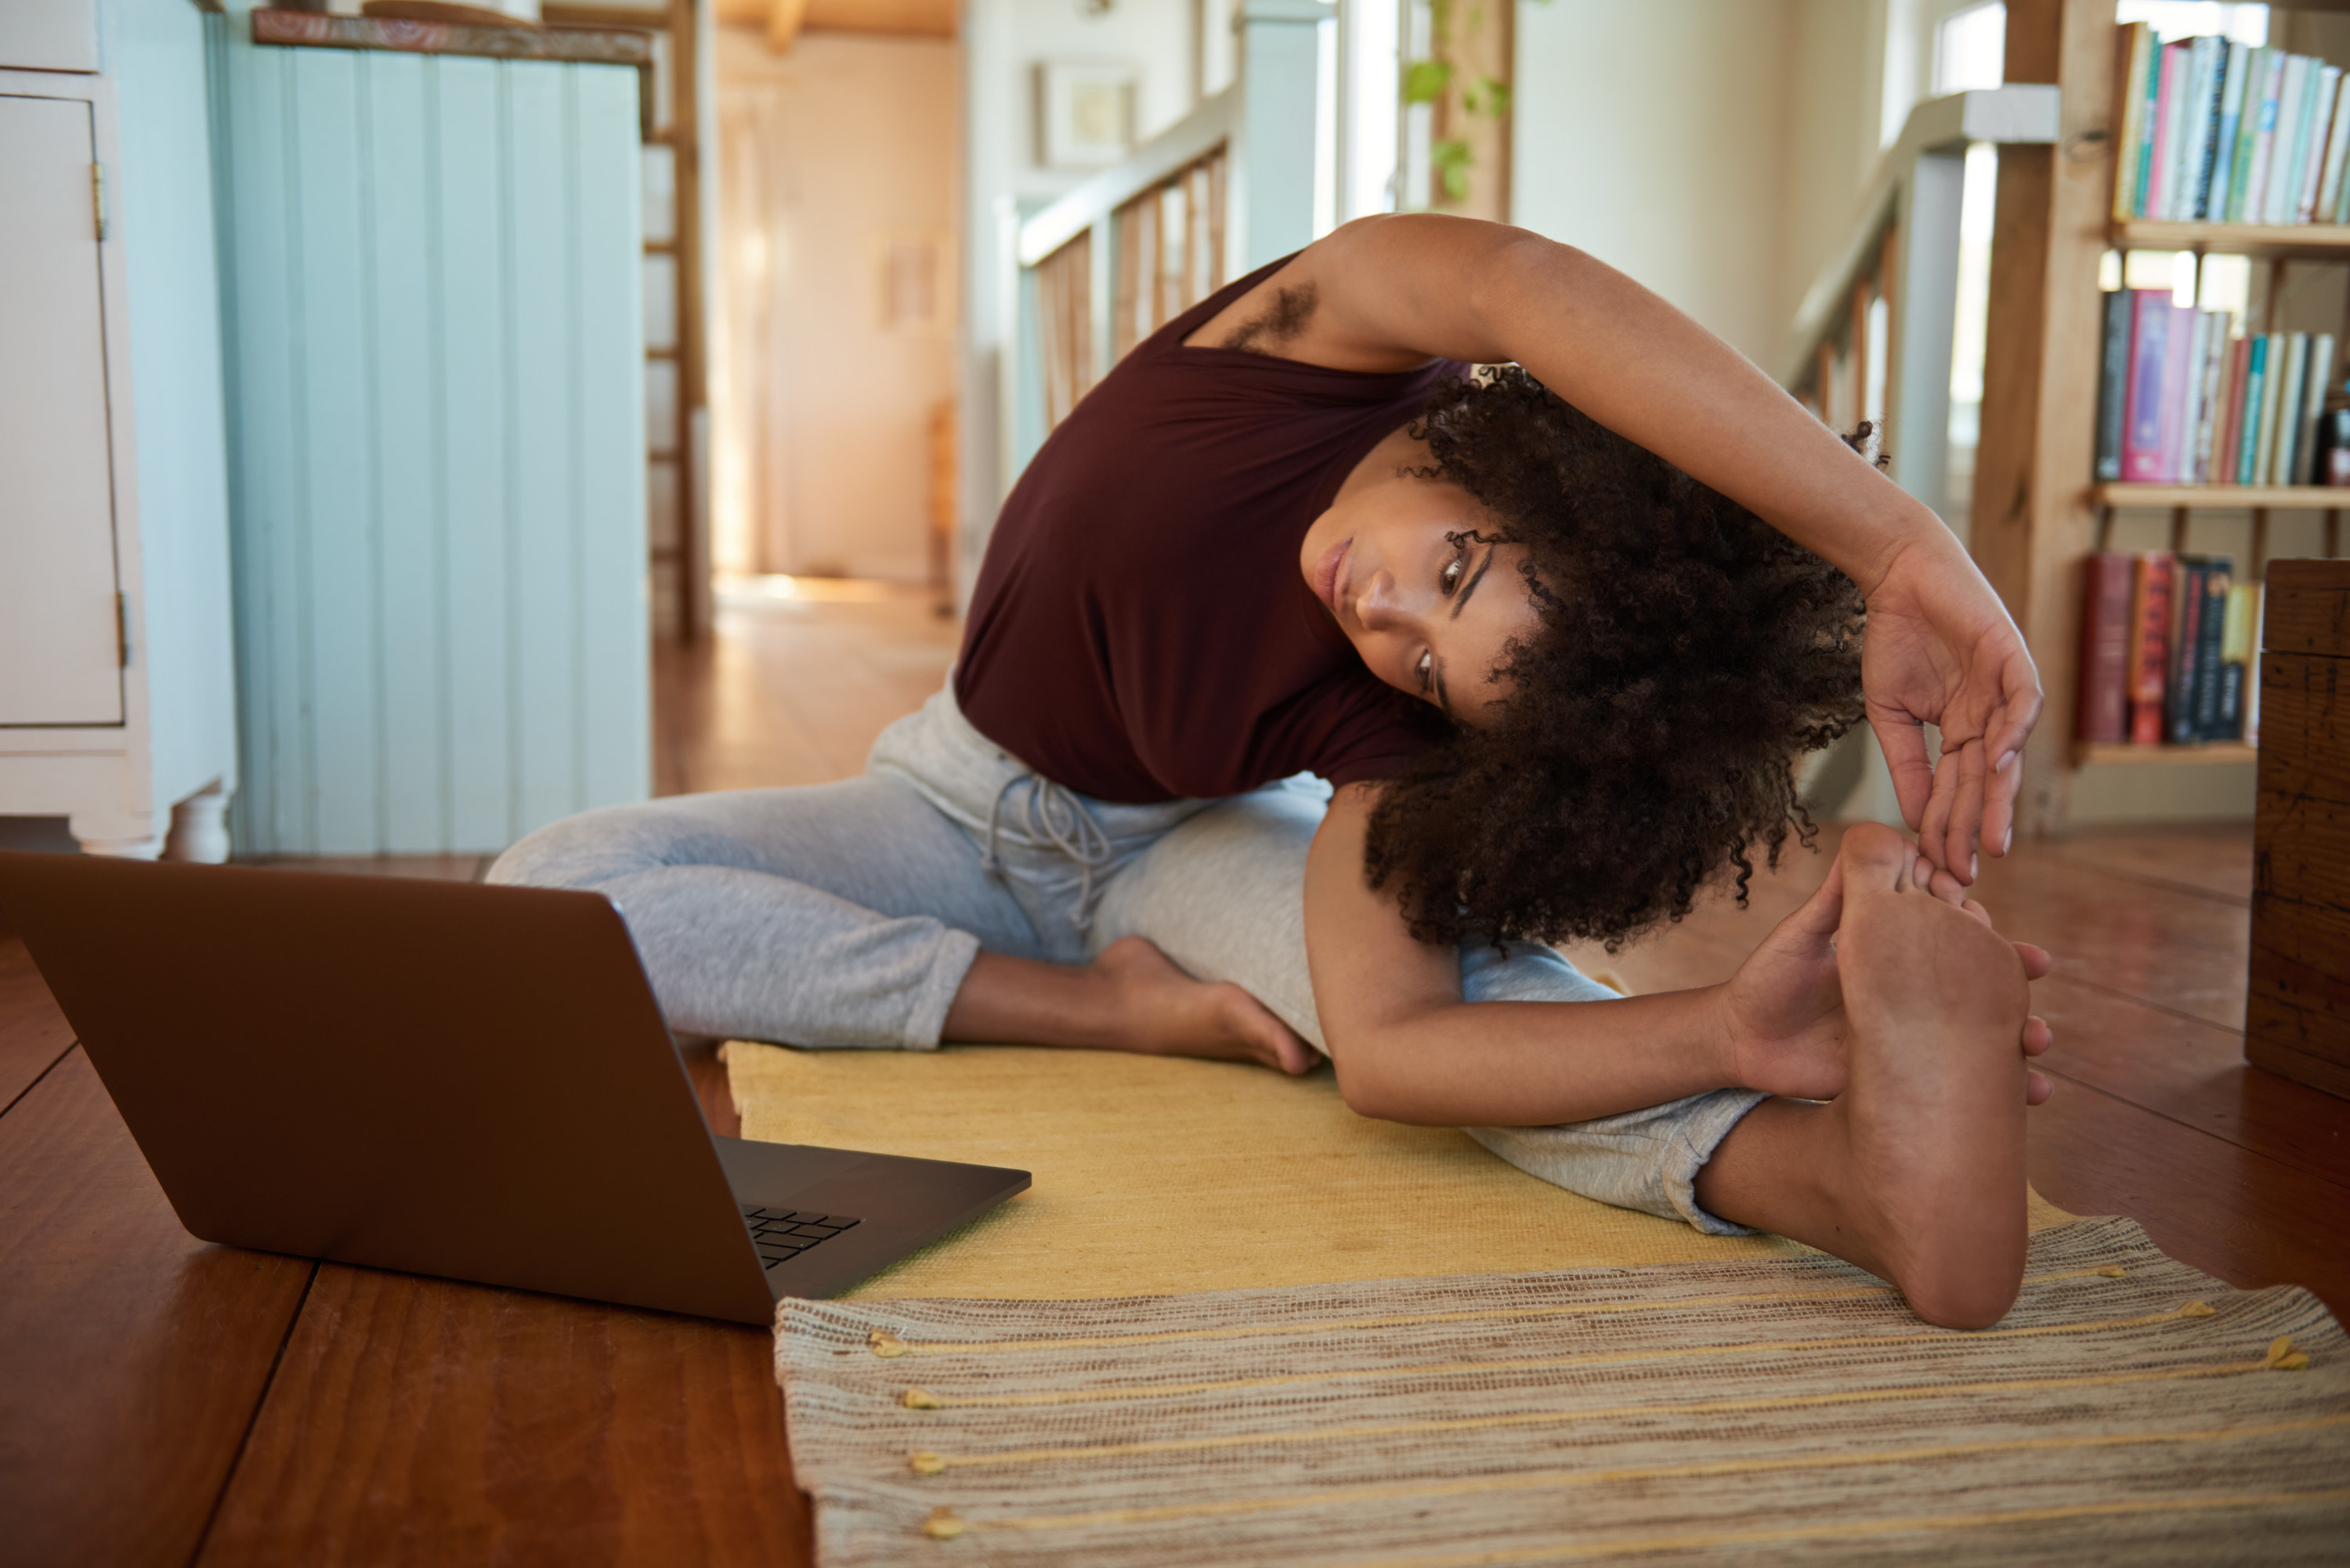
x=1901 y=252
x=1216 y=195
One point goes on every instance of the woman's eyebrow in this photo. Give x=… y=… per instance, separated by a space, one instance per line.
x=1475 y=577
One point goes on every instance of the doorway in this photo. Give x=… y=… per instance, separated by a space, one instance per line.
x=834 y=353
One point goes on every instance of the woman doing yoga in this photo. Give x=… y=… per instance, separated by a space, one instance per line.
x=1548 y=640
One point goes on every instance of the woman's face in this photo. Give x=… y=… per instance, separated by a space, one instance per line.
x=1429 y=617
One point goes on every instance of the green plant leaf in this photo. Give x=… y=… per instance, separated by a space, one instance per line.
x=1455 y=181
x=1495 y=94
x=1424 y=81
x=1451 y=153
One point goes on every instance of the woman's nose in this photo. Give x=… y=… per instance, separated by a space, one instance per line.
x=1376 y=607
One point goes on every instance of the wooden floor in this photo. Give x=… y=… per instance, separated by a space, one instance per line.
x=162 y=1401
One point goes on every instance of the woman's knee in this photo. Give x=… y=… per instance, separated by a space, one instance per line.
x=592 y=848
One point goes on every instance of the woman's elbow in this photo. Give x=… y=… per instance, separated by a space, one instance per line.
x=1374 y=1089
x=1363 y=1094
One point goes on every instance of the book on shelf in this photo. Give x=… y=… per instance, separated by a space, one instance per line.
x=2149 y=637
x=2167 y=645
x=2102 y=714
x=2198 y=622
x=2112 y=376
x=2211 y=641
x=2183 y=399
x=2213 y=130
x=2184 y=668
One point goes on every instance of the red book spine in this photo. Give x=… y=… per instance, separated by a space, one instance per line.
x=2105 y=648
x=2149 y=652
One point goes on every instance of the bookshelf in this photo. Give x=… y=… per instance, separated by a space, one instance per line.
x=2209 y=497
x=2261 y=242
x=2037 y=513
x=2086 y=754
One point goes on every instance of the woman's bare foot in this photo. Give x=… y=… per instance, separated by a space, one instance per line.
x=1934 y=1117
x=1130 y=998
x=1916 y=1170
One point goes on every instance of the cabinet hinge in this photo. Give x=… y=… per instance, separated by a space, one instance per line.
x=122 y=631
x=98 y=198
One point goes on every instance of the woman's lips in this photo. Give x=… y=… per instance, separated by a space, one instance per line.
x=1326 y=573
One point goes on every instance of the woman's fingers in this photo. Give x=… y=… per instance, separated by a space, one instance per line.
x=2001 y=788
x=2019 y=686
x=2037 y=1087
x=1934 y=822
x=1957 y=846
x=1818 y=916
x=2036 y=961
x=1902 y=738
x=2037 y=1036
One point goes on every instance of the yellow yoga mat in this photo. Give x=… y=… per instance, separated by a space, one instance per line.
x=1157 y=1176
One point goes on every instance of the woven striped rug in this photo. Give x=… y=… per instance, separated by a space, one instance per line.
x=1750 y=1411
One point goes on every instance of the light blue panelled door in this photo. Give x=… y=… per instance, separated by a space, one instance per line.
x=431 y=301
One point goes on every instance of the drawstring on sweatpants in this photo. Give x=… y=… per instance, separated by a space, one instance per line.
x=1057 y=816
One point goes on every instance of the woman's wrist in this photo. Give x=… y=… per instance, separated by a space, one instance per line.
x=1916 y=539
x=1722 y=1039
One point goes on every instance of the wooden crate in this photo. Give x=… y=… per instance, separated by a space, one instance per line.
x=2297 y=1015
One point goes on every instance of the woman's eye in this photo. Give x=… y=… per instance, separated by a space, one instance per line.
x=1424 y=668
x=1451 y=576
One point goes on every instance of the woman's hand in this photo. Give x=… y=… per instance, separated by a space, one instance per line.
x=1942 y=650
x=1783 y=1013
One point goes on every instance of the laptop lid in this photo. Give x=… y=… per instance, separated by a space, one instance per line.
x=444 y=1078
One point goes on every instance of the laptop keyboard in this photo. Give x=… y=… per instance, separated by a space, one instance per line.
x=783 y=1234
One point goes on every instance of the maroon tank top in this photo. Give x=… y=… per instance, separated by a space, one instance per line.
x=1140 y=631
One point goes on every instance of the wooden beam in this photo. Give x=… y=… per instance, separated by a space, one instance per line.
x=2032 y=520
x=884 y=18
x=1484 y=49
x=785 y=19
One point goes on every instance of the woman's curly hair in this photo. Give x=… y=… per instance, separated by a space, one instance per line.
x=1685 y=654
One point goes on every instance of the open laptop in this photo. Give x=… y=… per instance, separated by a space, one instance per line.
x=446 y=1078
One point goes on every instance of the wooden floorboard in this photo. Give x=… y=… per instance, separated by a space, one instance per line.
x=2193 y=1073
x=2163 y=945
x=2211 y=859
x=424 y=1421
x=132 y=1356
x=2252 y=1220
x=439 y=868
x=33 y=1034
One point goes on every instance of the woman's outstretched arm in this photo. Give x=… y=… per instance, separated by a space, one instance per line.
x=1410 y=1048
x=1387 y=292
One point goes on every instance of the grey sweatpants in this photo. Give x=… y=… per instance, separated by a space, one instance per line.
x=846 y=915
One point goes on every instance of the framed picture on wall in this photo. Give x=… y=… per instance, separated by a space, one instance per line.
x=1085 y=113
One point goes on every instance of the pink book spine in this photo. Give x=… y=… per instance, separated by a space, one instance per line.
x=2178 y=387
x=2150 y=311
x=2158 y=199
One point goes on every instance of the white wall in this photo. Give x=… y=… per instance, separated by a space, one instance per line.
x=825 y=423
x=1653 y=136
x=1711 y=148
x=1002 y=42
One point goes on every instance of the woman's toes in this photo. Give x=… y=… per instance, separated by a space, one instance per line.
x=1873 y=857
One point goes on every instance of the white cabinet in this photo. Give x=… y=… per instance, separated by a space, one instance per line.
x=49 y=34
x=60 y=648
x=115 y=682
